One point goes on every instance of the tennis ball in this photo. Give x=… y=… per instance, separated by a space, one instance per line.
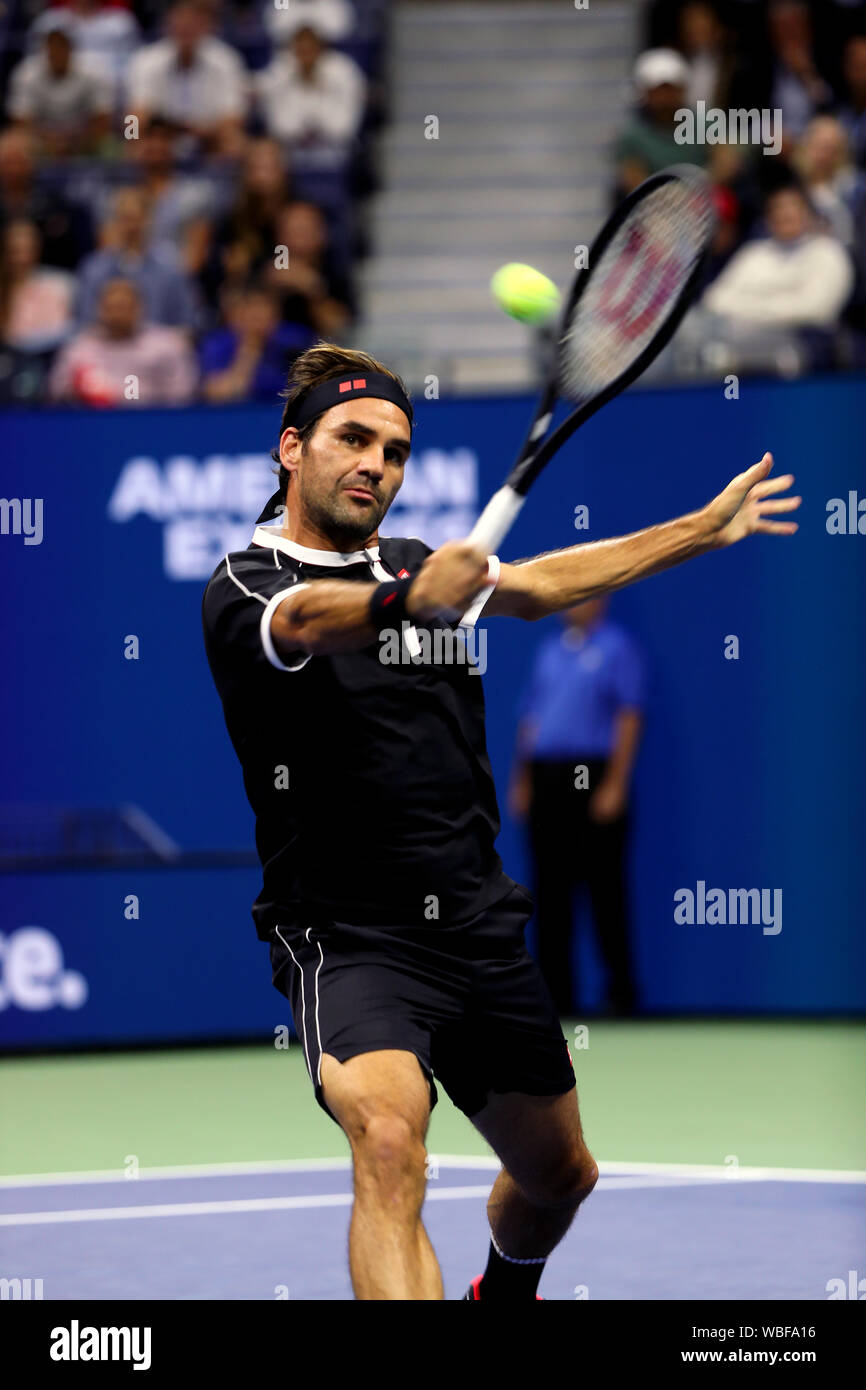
x=525 y=293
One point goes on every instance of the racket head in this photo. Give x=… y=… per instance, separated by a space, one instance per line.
x=613 y=323
x=643 y=268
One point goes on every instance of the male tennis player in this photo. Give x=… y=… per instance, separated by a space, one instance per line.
x=393 y=929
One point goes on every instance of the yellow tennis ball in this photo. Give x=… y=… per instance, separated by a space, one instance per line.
x=525 y=293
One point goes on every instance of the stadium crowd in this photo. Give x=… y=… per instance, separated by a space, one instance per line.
x=181 y=186
x=785 y=285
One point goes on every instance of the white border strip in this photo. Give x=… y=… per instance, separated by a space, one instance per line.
x=484 y=1162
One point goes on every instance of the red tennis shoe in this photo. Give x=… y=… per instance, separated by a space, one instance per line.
x=473 y=1293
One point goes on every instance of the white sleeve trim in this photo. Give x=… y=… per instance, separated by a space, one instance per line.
x=473 y=612
x=265 y=629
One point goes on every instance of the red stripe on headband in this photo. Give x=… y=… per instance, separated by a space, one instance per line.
x=344 y=386
x=360 y=384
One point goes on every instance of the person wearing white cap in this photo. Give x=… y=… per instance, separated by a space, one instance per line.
x=647 y=143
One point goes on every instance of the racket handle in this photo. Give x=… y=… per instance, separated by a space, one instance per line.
x=496 y=520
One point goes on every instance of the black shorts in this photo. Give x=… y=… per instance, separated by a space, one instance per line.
x=469 y=1001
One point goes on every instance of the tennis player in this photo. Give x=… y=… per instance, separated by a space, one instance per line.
x=394 y=931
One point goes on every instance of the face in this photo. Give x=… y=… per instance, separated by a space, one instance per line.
x=855 y=66
x=118 y=309
x=699 y=27
x=787 y=216
x=58 y=49
x=21 y=247
x=187 y=26
x=306 y=46
x=130 y=214
x=664 y=100
x=16 y=158
x=156 y=149
x=789 y=26
x=351 y=470
x=259 y=315
x=263 y=170
x=302 y=229
x=825 y=147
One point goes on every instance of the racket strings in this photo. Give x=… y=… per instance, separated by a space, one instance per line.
x=635 y=286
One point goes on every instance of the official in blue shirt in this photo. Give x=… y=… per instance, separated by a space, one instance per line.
x=579 y=734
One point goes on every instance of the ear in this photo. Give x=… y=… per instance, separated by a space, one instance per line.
x=290 y=449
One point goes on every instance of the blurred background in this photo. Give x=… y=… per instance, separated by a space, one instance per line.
x=190 y=195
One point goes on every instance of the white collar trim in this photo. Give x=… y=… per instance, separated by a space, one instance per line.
x=265 y=535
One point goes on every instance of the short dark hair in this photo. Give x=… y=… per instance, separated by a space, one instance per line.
x=320 y=363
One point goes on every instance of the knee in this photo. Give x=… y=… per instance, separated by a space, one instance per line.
x=568 y=1184
x=387 y=1148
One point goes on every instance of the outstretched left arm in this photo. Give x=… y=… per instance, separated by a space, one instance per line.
x=532 y=589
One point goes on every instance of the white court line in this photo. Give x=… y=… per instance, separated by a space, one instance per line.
x=182 y=1170
x=484 y=1162
x=326 y=1199
x=729 y=1174
x=606 y=1183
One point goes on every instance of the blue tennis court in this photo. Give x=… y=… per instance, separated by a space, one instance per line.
x=279 y=1231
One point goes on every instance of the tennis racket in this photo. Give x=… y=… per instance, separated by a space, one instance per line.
x=643 y=269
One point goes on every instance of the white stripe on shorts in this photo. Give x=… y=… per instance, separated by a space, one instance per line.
x=303 y=1000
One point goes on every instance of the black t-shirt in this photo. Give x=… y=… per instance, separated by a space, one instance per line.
x=370 y=782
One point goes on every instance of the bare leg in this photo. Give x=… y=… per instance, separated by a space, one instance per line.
x=548 y=1170
x=382 y=1102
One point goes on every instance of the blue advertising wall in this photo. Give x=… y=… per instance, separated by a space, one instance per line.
x=750 y=774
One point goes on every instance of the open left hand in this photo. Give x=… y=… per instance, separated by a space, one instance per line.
x=748 y=502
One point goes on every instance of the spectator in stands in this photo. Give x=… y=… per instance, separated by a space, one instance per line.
x=797 y=277
x=579 y=735
x=701 y=40
x=312 y=291
x=310 y=94
x=647 y=144
x=333 y=19
x=36 y=300
x=244 y=239
x=193 y=80
x=169 y=296
x=105 y=30
x=852 y=112
x=65 y=227
x=122 y=360
x=59 y=96
x=182 y=206
x=829 y=178
x=798 y=90
x=249 y=358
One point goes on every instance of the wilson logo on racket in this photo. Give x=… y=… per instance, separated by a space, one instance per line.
x=641 y=264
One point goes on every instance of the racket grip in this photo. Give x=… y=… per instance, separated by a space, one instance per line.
x=496 y=520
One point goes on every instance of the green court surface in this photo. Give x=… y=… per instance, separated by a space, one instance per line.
x=777 y=1094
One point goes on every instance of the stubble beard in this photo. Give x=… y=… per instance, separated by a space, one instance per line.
x=337 y=517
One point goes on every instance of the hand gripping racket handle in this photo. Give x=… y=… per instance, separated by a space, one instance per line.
x=496 y=520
